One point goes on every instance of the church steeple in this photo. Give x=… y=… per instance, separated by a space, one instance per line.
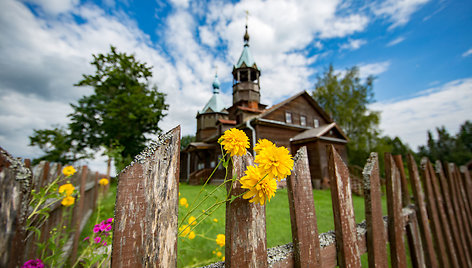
x=246 y=74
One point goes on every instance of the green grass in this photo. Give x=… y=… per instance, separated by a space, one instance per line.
x=198 y=251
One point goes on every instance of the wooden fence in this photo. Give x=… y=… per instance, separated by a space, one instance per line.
x=17 y=180
x=434 y=221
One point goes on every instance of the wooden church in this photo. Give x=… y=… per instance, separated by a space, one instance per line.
x=295 y=122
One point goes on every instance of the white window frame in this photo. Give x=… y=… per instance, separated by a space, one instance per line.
x=316 y=123
x=288 y=117
x=302 y=120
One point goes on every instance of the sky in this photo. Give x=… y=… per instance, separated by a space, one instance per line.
x=420 y=52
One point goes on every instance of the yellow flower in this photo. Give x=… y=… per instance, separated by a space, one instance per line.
x=261 y=187
x=223 y=259
x=276 y=161
x=262 y=144
x=68 y=201
x=220 y=240
x=218 y=254
x=66 y=189
x=214 y=252
x=191 y=235
x=185 y=230
x=186 y=205
x=234 y=141
x=192 y=220
x=215 y=220
x=103 y=181
x=68 y=171
x=183 y=201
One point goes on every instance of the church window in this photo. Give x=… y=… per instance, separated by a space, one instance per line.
x=316 y=123
x=302 y=120
x=200 y=166
x=212 y=164
x=288 y=117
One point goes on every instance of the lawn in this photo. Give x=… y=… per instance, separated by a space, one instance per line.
x=199 y=251
x=203 y=249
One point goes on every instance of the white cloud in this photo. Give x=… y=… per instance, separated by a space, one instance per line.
x=373 y=68
x=55 y=7
x=467 y=53
x=398 y=11
x=396 y=41
x=410 y=119
x=353 y=44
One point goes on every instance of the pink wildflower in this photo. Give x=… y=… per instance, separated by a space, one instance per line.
x=38 y=263
x=110 y=220
x=87 y=238
x=98 y=239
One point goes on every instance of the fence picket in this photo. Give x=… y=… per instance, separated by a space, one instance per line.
x=396 y=229
x=422 y=216
x=246 y=241
x=80 y=213
x=460 y=210
x=444 y=223
x=464 y=200
x=376 y=242
x=344 y=221
x=306 y=242
x=467 y=182
x=145 y=227
x=452 y=215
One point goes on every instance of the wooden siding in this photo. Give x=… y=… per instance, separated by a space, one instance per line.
x=297 y=107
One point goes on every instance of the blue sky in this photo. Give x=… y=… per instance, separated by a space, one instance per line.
x=419 y=50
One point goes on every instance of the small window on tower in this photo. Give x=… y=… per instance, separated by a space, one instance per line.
x=316 y=123
x=288 y=117
x=302 y=120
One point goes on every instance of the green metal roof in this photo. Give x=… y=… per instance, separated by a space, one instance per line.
x=215 y=104
x=246 y=58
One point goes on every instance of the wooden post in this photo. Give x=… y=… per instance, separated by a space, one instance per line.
x=376 y=243
x=422 y=216
x=344 y=221
x=15 y=189
x=146 y=210
x=245 y=232
x=396 y=228
x=452 y=216
x=444 y=222
x=305 y=238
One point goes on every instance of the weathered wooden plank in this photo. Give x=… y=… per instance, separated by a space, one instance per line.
x=423 y=221
x=433 y=211
x=466 y=180
x=414 y=243
x=80 y=213
x=145 y=228
x=302 y=213
x=406 y=199
x=344 y=221
x=246 y=241
x=15 y=188
x=376 y=242
x=452 y=216
x=460 y=210
x=461 y=188
x=396 y=228
x=444 y=222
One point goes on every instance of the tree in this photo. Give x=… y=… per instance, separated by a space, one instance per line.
x=57 y=145
x=345 y=97
x=123 y=109
x=186 y=140
x=447 y=148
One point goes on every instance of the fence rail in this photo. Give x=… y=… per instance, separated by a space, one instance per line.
x=17 y=180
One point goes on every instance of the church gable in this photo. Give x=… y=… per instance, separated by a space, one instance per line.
x=301 y=110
